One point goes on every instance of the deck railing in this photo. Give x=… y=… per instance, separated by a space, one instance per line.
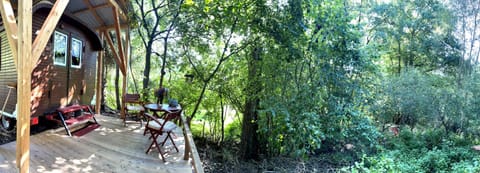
x=190 y=148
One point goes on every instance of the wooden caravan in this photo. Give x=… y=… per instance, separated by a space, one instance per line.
x=65 y=71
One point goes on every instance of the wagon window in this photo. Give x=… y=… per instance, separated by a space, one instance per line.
x=60 y=49
x=76 y=53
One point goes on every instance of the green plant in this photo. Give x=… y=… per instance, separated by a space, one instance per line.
x=433 y=152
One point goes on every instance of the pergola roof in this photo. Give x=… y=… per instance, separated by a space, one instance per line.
x=98 y=14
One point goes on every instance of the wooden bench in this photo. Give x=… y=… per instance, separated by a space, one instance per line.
x=75 y=114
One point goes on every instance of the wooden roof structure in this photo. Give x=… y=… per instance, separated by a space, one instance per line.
x=104 y=16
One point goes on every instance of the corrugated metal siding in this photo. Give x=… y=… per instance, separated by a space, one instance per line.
x=8 y=74
x=107 y=15
x=99 y=2
x=76 y=5
x=89 y=19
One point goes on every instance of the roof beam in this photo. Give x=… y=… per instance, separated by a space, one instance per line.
x=127 y=48
x=115 y=53
x=47 y=28
x=115 y=5
x=94 y=12
x=9 y=21
x=121 y=49
x=123 y=3
x=91 y=8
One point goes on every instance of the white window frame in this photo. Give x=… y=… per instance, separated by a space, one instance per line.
x=80 y=51
x=55 y=47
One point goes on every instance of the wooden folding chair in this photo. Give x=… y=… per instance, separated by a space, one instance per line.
x=134 y=108
x=157 y=126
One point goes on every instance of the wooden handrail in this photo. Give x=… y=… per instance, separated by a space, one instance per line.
x=190 y=148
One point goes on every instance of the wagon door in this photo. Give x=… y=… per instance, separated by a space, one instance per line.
x=68 y=83
x=58 y=93
x=76 y=80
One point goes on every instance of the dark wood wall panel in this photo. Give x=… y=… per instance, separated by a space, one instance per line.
x=49 y=82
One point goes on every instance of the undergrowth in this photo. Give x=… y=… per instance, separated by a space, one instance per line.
x=430 y=151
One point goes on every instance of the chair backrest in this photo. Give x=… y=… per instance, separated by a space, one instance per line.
x=168 y=116
x=132 y=98
x=173 y=116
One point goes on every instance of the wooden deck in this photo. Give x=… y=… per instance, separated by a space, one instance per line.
x=110 y=148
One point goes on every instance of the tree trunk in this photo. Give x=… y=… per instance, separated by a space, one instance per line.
x=399 y=57
x=117 y=87
x=214 y=128
x=203 y=129
x=199 y=100
x=164 y=59
x=250 y=145
x=104 y=84
x=223 y=120
x=146 y=71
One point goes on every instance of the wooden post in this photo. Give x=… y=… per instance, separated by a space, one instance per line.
x=124 y=91
x=120 y=11
x=190 y=148
x=24 y=80
x=186 y=154
x=98 y=101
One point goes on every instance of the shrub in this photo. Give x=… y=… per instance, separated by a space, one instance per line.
x=455 y=159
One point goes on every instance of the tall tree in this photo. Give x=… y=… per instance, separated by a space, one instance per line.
x=250 y=145
x=212 y=42
x=416 y=34
x=467 y=13
x=155 y=22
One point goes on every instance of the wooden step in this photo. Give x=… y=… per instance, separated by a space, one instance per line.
x=69 y=117
x=79 y=119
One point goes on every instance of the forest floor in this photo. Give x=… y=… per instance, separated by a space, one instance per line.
x=225 y=159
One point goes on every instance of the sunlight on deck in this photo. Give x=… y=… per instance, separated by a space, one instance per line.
x=109 y=148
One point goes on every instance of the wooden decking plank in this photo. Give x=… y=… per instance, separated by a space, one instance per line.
x=109 y=148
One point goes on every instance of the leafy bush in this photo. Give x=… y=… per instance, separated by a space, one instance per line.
x=432 y=152
x=436 y=160
x=293 y=135
x=425 y=101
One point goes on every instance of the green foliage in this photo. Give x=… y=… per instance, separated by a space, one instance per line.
x=413 y=154
x=318 y=106
x=233 y=131
x=415 y=33
x=428 y=100
x=322 y=74
x=296 y=135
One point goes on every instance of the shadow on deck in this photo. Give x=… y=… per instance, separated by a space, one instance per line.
x=109 y=148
